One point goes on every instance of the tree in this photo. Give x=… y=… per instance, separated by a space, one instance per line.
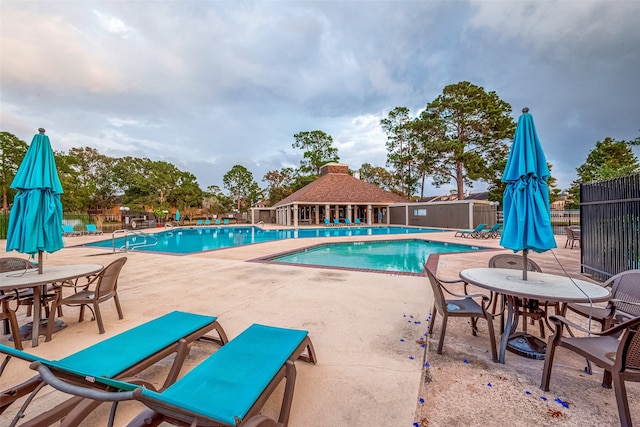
x=463 y=135
x=12 y=151
x=402 y=149
x=240 y=184
x=378 y=176
x=279 y=184
x=318 y=150
x=609 y=159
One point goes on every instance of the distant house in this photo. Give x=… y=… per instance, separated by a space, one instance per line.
x=334 y=195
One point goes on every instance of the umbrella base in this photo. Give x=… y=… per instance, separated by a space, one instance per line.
x=26 y=330
x=527 y=345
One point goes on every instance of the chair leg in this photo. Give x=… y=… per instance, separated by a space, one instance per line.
x=621 y=399
x=81 y=317
x=117 y=300
x=10 y=316
x=96 y=307
x=548 y=364
x=442 y=332
x=492 y=338
x=434 y=312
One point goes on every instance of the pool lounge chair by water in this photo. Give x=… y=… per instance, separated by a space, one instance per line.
x=91 y=229
x=145 y=345
x=228 y=388
x=492 y=232
x=67 y=230
x=469 y=233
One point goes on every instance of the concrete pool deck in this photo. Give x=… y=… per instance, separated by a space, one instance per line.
x=366 y=328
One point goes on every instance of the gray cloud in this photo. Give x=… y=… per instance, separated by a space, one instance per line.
x=206 y=85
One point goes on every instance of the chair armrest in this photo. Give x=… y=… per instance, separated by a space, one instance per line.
x=90 y=393
x=561 y=321
x=484 y=297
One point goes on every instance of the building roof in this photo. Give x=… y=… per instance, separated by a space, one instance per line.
x=336 y=186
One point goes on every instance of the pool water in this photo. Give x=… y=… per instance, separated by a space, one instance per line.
x=401 y=256
x=190 y=240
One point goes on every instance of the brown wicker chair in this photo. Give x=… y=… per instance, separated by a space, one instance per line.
x=464 y=306
x=99 y=288
x=21 y=298
x=619 y=357
x=625 y=288
x=535 y=310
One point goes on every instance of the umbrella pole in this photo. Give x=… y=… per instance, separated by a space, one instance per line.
x=39 y=262
x=525 y=264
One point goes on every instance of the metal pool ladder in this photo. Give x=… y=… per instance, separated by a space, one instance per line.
x=148 y=240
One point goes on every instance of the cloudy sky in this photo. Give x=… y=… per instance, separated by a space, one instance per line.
x=206 y=85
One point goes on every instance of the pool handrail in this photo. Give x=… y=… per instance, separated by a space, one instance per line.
x=126 y=245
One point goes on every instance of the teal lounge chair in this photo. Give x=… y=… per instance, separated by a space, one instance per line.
x=348 y=222
x=468 y=233
x=226 y=221
x=91 y=229
x=120 y=356
x=357 y=221
x=336 y=221
x=228 y=388
x=67 y=230
x=492 y=232
x=217 y=222
x=327 y=223
x=199 y=222
x=207 y=222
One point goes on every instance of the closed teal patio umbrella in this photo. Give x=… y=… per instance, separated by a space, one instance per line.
x=527 y=221
x=35 y=221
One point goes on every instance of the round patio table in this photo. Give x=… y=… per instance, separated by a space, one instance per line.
x=538 y=286
x=30 y=278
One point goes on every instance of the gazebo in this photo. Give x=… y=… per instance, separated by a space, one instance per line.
x=335 y=194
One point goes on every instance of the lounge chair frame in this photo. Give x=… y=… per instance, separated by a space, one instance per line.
x=164 y=411
x=469 y=233
x=77 y=408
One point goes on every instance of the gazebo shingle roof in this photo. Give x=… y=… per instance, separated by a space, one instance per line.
x=336 y=186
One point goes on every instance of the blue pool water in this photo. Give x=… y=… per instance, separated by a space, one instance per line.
x=402 y=256
x=198 y=239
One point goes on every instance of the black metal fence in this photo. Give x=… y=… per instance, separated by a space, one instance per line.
x=610 y=226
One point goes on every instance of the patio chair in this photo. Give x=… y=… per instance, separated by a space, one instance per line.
x=533 y=309
x=229 y=388
x=24 y=297
x=225 y=221
x=463 y=306
x=9 y=319
x=492 y=232
x=145 y=345
x=217 y=222
x=68 y=231
x=468 y=233
x=99 y=288
x=573 y=235
x=92 y=230
x=199 y=222
x=625 y=288
x=207 y=222
x=618 y=356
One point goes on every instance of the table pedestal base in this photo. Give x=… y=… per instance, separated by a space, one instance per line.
x=25 y=330
x=527 y=345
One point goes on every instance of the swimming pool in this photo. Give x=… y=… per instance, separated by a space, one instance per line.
x=190 y=240
x=399 y=256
